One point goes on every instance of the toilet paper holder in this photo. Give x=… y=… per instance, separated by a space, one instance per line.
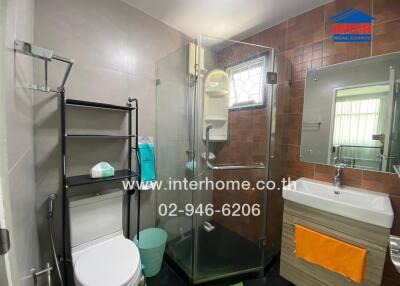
x=395 y=251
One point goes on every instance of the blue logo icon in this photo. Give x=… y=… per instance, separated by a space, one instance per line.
x=352 y=25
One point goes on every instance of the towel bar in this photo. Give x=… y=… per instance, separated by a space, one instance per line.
x=226 y=166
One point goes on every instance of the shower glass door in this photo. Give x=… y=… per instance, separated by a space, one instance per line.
x=217 y=231
x=175 y=130
x=233 y=239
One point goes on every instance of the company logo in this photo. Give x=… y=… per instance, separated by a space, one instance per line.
x=352 y=26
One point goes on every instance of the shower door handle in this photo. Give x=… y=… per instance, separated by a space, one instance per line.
x=235 y=166
x=386 y=157
x=226 y=166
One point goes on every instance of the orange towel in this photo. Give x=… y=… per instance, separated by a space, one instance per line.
x=332 y=254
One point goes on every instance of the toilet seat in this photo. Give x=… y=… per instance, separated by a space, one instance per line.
x=115 y=262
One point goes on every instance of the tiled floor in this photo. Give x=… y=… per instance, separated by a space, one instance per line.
x=167 y=277
x=271 y=279
x=215 y=256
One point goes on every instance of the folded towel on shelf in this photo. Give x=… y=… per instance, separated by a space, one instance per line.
x=102 y=170
x=330 y=253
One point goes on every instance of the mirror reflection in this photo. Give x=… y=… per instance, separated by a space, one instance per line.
x=356 y=106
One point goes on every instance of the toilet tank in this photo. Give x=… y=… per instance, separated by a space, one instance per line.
x=95 y=216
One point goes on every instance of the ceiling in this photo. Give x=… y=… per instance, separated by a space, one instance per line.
x=229 y=19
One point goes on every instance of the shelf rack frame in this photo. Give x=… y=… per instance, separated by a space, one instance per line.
x=81 y=180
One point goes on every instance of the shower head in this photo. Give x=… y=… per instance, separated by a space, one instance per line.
x=32 y=50
x=51 y=199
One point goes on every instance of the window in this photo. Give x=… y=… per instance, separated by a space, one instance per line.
x=247 y=83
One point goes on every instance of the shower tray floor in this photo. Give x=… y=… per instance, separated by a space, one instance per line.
x=221 y=252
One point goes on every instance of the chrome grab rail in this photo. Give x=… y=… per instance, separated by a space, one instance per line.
x=226 y=166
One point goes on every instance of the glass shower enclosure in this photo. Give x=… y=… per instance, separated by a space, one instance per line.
x=208 y=239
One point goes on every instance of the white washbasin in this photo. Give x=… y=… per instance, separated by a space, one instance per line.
x=362 y=205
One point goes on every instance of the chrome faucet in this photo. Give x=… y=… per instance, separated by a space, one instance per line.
x=338 y=177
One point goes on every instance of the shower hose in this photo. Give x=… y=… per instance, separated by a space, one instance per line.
x=52 y=197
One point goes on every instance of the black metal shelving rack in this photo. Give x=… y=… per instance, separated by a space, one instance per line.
x=125 y=174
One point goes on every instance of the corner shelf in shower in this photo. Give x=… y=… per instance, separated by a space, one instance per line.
x=216 y=118
x=216 y=105
x=216 y=92
x=82 y=180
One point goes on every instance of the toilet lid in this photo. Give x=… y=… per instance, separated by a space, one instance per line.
x=112 y=263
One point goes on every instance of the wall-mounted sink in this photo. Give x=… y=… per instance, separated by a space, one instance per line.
x=358 y=204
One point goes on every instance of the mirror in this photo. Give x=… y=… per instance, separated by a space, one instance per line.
x=351 y=114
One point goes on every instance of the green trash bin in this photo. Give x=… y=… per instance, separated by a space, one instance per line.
x=151 y=246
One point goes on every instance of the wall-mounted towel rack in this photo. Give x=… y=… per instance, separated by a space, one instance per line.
x=46 y=55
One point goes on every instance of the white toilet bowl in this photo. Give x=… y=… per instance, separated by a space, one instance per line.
x=101 y=255
x=114 y=261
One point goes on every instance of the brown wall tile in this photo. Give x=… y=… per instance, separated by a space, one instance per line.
x=351 y=51
x=232 y=54
x=274 y=37
x=250 y=227
x=328 y=52
x=324 y=173
x=274 y=220
x=295 y=121
x=280 y=130
x=297 y=89
x=306 y=41
x=306 y=28
x=386 y=38
x=296 y=168
x=246 y=144
x=386 y=10
x=295 y=104
x=381 y=182
x=294 y=136
x=281 y=100
x=352 y=177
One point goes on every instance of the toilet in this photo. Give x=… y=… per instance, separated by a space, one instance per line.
x=101 y=255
